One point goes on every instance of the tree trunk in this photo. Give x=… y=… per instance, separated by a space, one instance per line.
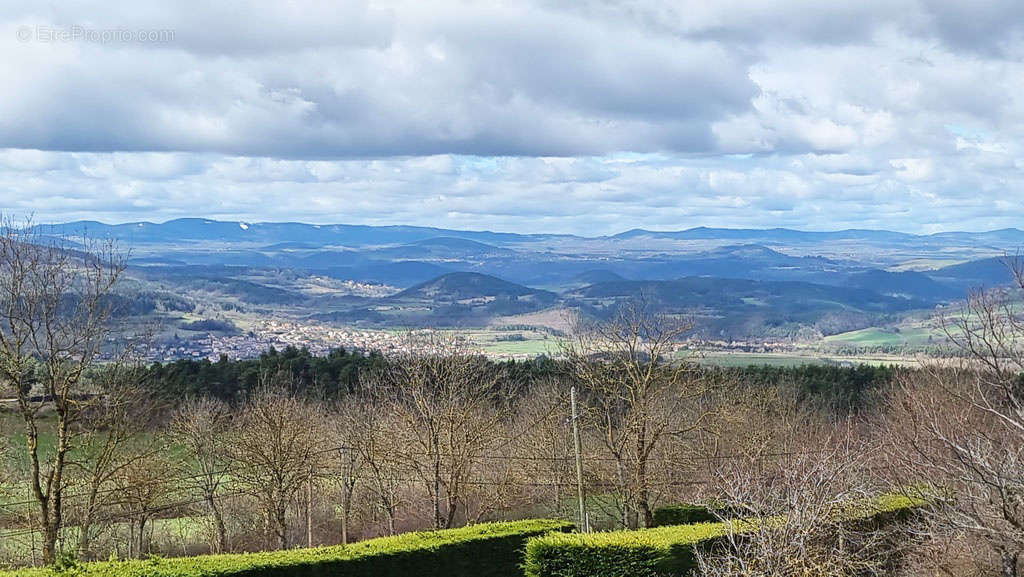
x=309 y=511
x=281 y=526
x=142 y=536
x=218 y=521
x=85 y=539
x=643 y=497
x=344 y=525
x=346 y=508
x=437 y=483
x=642 y=492
x=50 y=533
x=131 y=539
x=453 y=507
x=85 y=530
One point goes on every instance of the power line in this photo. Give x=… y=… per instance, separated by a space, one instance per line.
x=535 y=458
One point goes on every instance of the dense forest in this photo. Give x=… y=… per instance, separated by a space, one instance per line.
x=841 y=387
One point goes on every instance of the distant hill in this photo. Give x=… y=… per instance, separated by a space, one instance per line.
x=267 y=233
x=440 y=248
x=458 y=286
x=596 y=276
x=995 y=236
x=740 y=308
x=723 y=292
x=986 y=272
x=454 y=243
x=774 y=234
x=450 y=300
x=746 y=261
x=208 y=230
x=291 y=245
x=400 y=274
x=905 y=284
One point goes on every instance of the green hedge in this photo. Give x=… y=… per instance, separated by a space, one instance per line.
x=485 y=550
x=662 y=551
x=691 y=513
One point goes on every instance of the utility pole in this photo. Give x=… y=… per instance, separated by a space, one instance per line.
x=584 y=521
x=345 y=496
x=309 y=510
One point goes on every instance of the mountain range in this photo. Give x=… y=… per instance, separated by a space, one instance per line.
x=207 y=230
x=739 y=282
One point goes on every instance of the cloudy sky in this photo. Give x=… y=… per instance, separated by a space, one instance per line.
x=583 y=117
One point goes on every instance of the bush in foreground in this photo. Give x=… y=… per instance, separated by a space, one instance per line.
x=484 y=550
x=664 y=551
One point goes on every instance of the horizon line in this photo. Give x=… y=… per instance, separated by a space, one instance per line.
x=633 y=229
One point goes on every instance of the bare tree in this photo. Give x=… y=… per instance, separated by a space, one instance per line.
x=637 y=394
x=371 y=431
x=957 y=426
x=54 y=310
x=277 y=443
x=113 y=438
x=201 y=427
x=453 y=405
x=143 y=489
x=350 y=457
x=543 y=440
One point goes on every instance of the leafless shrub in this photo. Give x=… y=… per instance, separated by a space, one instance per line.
x=143 y=488
x=795 y=512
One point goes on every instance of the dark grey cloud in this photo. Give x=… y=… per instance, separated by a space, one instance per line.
x=306 y=82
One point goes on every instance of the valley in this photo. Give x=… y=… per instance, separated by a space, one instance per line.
x=201 y=288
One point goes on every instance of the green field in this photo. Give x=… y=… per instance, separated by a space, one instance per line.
x=791 y=359
x=741 y=359
x=915 y=337
x=534 y=343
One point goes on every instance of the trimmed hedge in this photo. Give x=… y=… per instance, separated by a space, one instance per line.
x=484 y=550
x=690 y=513
x=662 y=551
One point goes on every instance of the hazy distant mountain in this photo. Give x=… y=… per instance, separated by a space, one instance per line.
x=1011 y=235
x=596 y=276
x=458 y=286
x=986 y=272
x=739 y=281
x=739 y=293
x=400 y=274
x=441 y=248
x=208 y=230
x=906 y=284
x=200 y=229
x=740 y=308
x=773 y=234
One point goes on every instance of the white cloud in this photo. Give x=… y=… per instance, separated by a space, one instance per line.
x=588 y=117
